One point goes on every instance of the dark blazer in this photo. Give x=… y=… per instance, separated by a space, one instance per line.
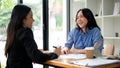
x=24 y=51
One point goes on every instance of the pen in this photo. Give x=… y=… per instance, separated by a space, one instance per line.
x=54 y=47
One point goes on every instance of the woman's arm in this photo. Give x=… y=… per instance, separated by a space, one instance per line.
x=32 y=51
x=77 y=51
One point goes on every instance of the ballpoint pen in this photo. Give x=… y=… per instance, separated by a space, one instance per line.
x=54 y=47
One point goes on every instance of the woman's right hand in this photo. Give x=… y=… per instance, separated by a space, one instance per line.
x=57 y=50
x=65 y=50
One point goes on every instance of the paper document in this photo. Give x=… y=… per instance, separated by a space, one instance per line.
x=72 y=56
x=94 y=62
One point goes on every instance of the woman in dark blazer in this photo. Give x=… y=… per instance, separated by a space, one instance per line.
x=21 y=49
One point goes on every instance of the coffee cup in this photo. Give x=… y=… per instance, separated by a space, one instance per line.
x=89 y=51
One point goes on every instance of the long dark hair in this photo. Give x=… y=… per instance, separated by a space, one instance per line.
x=19 y=13
x=87 y=13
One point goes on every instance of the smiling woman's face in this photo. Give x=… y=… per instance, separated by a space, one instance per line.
x=81 y=20
x=28 y=21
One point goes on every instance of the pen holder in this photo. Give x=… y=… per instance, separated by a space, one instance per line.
x=116 y=34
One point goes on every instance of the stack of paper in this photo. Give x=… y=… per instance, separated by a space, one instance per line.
x=94 y=62
x=72 y=56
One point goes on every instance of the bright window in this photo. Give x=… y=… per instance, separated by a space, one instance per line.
x=5 y=13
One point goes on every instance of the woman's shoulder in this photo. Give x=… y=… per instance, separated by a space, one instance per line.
x=95 y=29
x=75 y=29
x=24 y=30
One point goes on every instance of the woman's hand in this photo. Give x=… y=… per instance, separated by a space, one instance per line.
x=57 y=50
x=65 y=50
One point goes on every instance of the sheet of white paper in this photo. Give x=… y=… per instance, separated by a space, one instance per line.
x=72 y=56
x=94 y=62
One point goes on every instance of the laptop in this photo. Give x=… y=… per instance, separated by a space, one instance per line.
x=96 y=51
